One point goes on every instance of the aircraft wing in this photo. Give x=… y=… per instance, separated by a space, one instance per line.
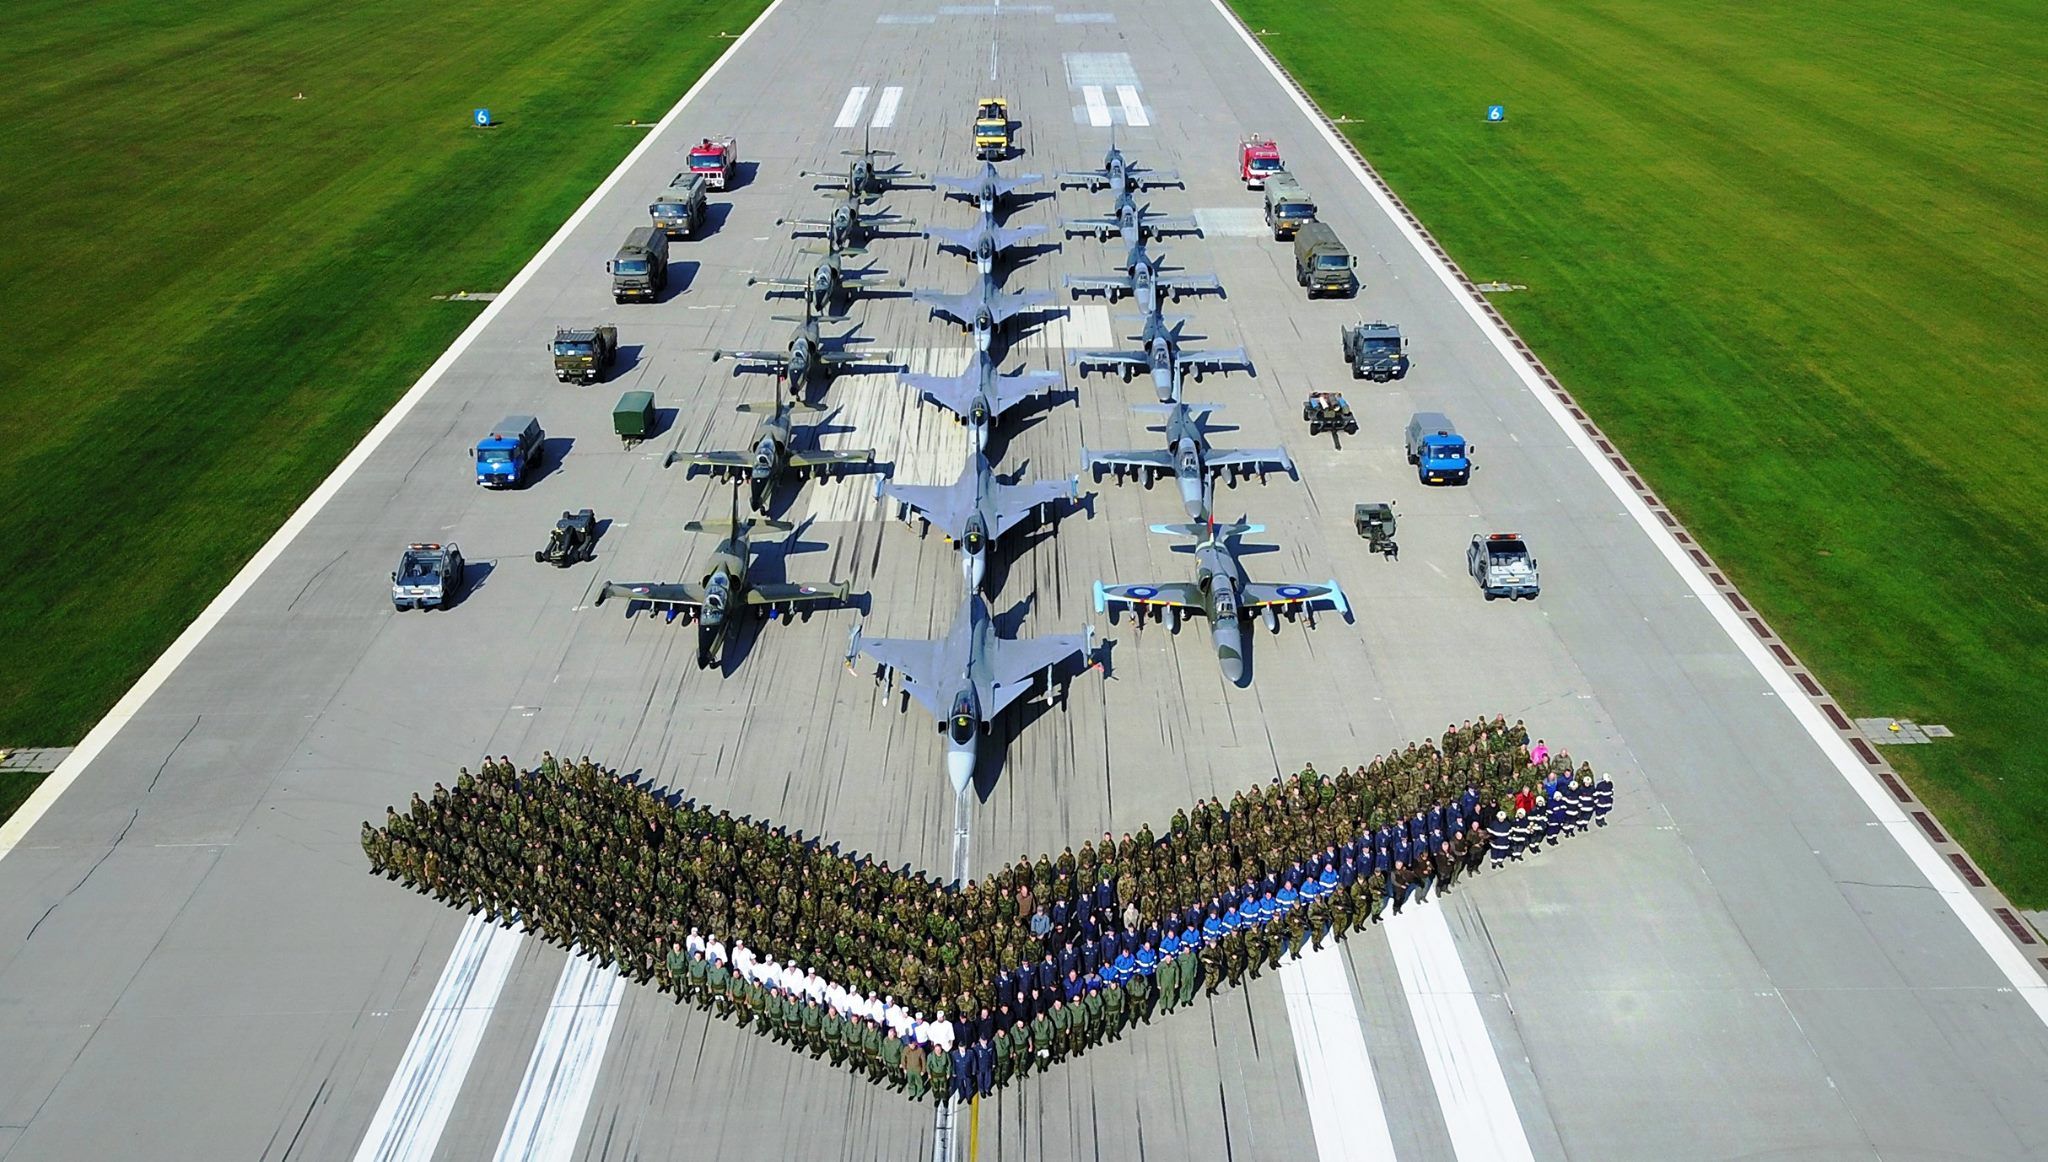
x=780 y=282
x=945 y=505
x=775 y=361
x=959 y=308
x=1007 y=186
x=918 y=662
x=968 y=184
x=810 y=223
x=1009 y=304
x=1192 y=284
x=1014 y=502
x=1008 y=236
x=1247 y=458
x=735 y=460
x=1219 y=360
x=797 y=593
x=1169 y=224
x=1083 y=177
x=816 y=458
x=1075 y=226
x=955 y=393
x=1184 y=594
x=653 y=594
x=1087 y=359
x=1146 y=178
x=1257 y=596
x=1135 y=458
x=1011 y=390
x=966 y=239
x=1099 y=284
x=1015 y=662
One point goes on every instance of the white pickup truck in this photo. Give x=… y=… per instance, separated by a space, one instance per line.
x=1503 y=566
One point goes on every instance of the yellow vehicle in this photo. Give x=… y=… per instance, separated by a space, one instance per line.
x=992 y=129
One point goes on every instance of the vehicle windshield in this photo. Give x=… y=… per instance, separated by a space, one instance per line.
x=1297 y=210
x=1383 y=348
x=669 y=206
x=989 y=126
x=495 y=455
x=1447 y=450
x=572 y=349
x=1332 y=261
x=704 y=159
x=630 y=266
x=1265 y=164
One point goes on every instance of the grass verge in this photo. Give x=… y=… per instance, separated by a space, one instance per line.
x=226 y=226
x=15 y=788
x=1786 y=255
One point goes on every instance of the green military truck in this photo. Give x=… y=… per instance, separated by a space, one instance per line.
x=1321 y=263
x=679 y=210
x=584 y=354
x=1288 y=205
x=1375 y=351
x=640 y=269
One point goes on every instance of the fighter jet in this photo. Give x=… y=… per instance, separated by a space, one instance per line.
x=967 y=678
x=1132 y=222
x=863 y=179
x=725 y=588
x=978 y=395
x=1144 y=277
x=1119 y=173
x=984 y=242
x=829 y=288
x=1163 y=355
x=1220 y=593
x=978 y=508
x=772 y=458
x=849 y=226
x=985 y=309
x=1188 y=455
x=808 y=357
x=986 y=189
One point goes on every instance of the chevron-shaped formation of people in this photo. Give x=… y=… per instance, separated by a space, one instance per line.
x=835 y=954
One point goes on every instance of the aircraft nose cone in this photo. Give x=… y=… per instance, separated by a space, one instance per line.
x=1191 y=495
x=977 y=568
x=960 y=769
x=1233 y=668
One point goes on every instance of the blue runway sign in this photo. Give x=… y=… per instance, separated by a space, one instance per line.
x=483 y=119
x=1493 y=112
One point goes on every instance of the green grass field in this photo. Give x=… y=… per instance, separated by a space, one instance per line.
x=212 y=289
x=15 y=788
x=1789 y=255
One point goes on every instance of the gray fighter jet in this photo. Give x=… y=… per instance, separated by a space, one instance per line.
x=983 y=310
x=970 y=676
x=863 y=179
x=1164 y=356
x=983 y=242
x=1188 y=456
x=1119 y=173
x=978 y=395
x=977 y=509
x=1220 y=593
x=772 y=458
x=1131 y=222
x=851 y=224
x=986 y=189
x=809 y=357
x=725 y=588
x=829 y=288
x=1145 y=277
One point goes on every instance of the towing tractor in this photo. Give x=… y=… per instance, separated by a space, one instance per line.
x=1258 y=158
x=1329 y=411
x=1502 y=565
x=992 y=129
x=1375 y=351
x=573 y=539
x=715 y=158
x=584 y=354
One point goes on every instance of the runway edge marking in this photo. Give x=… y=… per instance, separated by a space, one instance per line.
x=1691 y=564
x=1346 y=1110
x=46 y=795
x=1479 y=1111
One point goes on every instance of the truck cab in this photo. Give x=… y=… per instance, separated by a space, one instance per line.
x=508 y=452
x=992 y=129
x=1288 y=205
x=678 y=211
x=1375 y=351
x=640 y=269
x=1321 y=261
x=429 y=576
x=1439 y=453
x=714 y=159
x=1258 y=158
x=1502 y=566
x=584 y=354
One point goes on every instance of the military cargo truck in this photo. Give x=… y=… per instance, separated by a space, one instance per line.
x=640 y=269
x=1321 y=263
x=679 y=210
x=584 y=354
x=1375 y=351
x=1288 y=205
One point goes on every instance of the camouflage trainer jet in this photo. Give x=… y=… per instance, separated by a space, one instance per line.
x=809 y=358
x=984 y=242
x=864 y=179
x=772 y=458
x=1145 y=277
x=986 y=189
x=725 y=588
x=1188 y=456
x=978 y=395
x=977 y=509
x=829 y=288
x=850 y=224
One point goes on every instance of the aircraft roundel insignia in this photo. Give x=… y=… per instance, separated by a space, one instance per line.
x=806 y=589
x=643 y=590
x=1293 y=591
x=1143 y=591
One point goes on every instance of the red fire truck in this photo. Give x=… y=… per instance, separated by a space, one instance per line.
x=1256 y=157
x=715 y=158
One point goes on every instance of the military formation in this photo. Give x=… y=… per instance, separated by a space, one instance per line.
x=947 y=990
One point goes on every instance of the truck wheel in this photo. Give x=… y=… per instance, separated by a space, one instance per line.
x=1490 y=595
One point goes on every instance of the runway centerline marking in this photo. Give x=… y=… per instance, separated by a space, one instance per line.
x=1134 y=109
x=849 y=113
x=554 y=1095
x=1098 y=109
x=1345 y=1109
x=1478 y=1109
x=885 y=109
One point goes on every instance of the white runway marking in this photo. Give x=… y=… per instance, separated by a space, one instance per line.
x=1098 y=109
x=885 y=109
x=1231 y=222
x=554 y=1096
x=849 y=113
x=1478 y=1110
x=1344 y=1105
x=1134 y=110
x=408 y=1123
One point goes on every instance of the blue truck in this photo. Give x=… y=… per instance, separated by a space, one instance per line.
x=1439 y=453
x=509 y=452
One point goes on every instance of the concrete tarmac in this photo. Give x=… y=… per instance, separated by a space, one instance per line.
x=194 y=964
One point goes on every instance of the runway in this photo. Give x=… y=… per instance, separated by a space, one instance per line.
x=193 y=962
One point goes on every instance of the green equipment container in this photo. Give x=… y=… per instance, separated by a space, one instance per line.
x=633 y=417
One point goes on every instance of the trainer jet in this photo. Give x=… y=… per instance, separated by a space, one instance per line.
x=1119 y=173
x=970 y=676
x=863 y=179
x=809 y=356
x=724 y=589
x=1163 y=355
x=983 y=310
x=1145 y=277
x=772 y=458
x=978 y=508
x=1132 y=222
x=1220 y=593
x=986 y=189
x=829 y=288
x=1188 y=455
x=850 y=225
x=983 y=242
x=978 y=395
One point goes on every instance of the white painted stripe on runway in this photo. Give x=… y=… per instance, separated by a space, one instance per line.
x=1939 y=873
x=849 y=113
x=554 y=1096
x=408 y=1123
x=1344 y=1105
x=1478 y=1109
x=885 y=109
x=1134 y=109
x=16 y=828
x=1098 y=109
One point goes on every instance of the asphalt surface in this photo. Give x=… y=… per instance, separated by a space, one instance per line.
x=194 y=964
